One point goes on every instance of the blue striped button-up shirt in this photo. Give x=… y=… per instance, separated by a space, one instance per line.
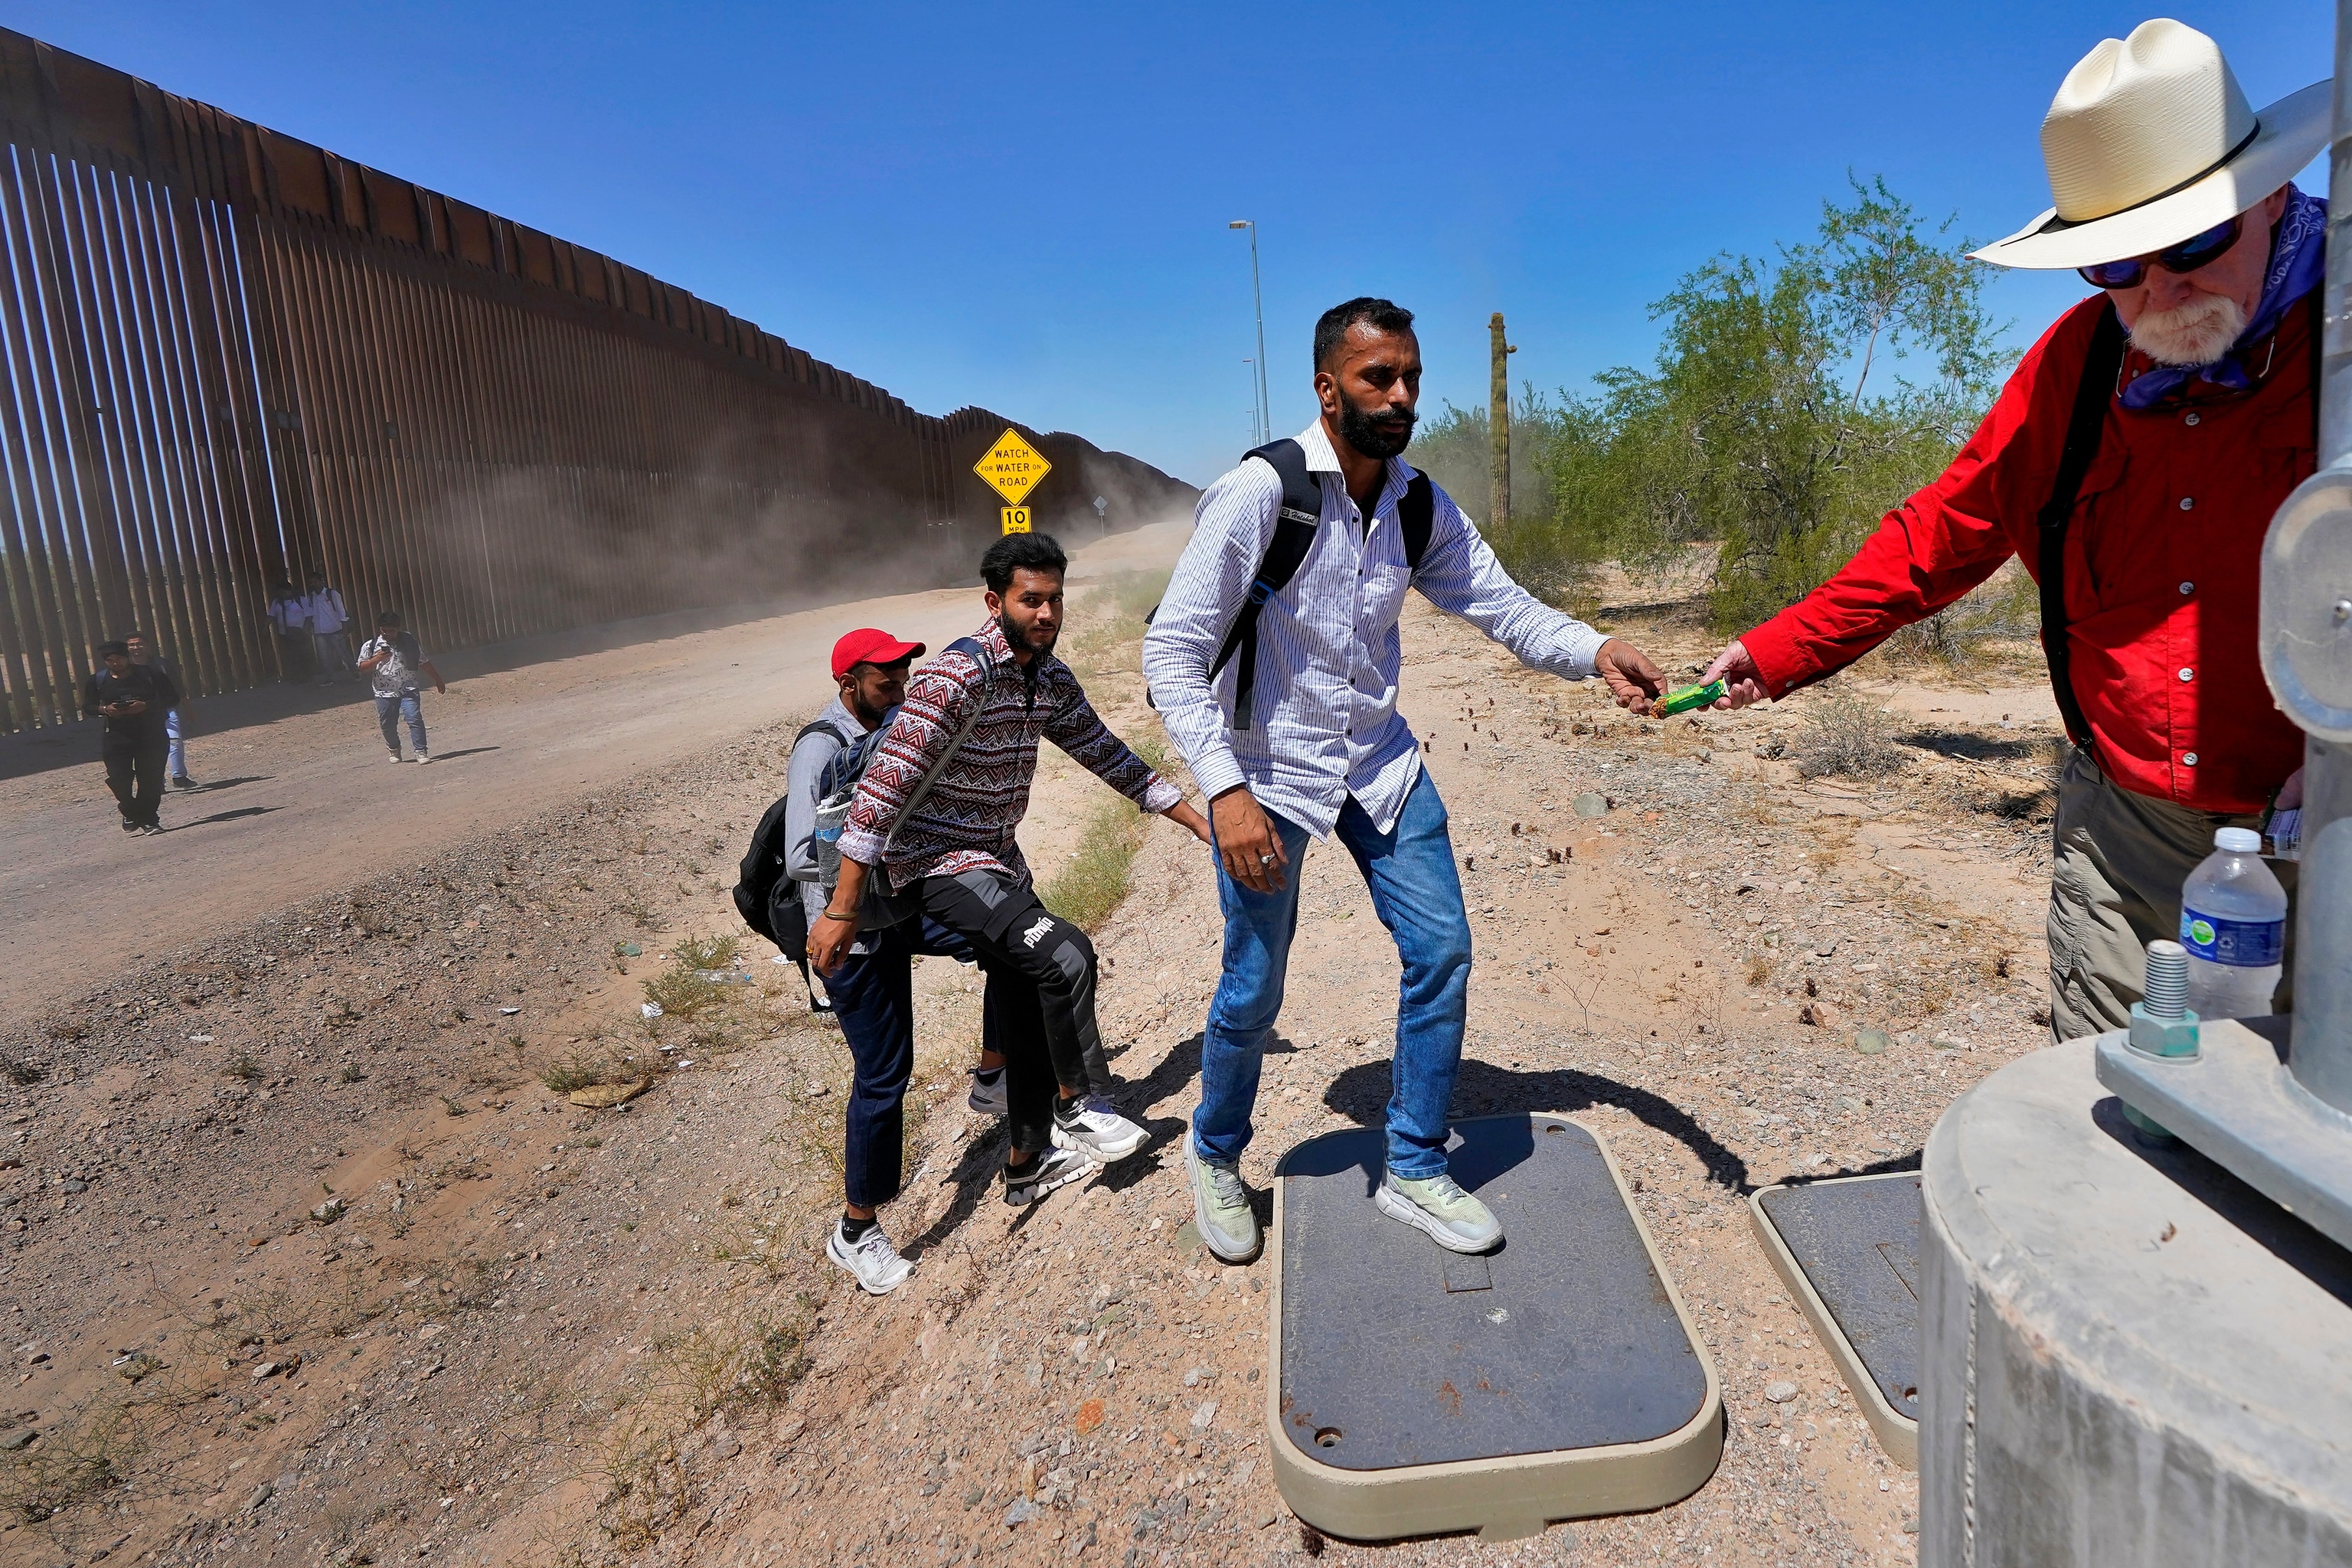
x=1324 y=719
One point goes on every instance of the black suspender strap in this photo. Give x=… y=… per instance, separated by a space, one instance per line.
x=2093 y=394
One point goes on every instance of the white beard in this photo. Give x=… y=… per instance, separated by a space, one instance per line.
x=2197 y=332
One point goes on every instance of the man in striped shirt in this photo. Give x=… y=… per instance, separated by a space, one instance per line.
x=939 y=814
x=1324 y=751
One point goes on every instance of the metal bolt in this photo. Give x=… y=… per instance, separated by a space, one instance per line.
x=2167 y=980
x=2342 y=611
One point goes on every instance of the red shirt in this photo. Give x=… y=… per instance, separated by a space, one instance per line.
x=2163 y=561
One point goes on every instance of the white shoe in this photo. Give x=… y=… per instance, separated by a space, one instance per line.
x=421 y=759
x=1089 y=1125
x=1220 y=1207
x=1438 y=1207
x=871 y=1257
x=1054 y=1168
x=987 y=1099
x=395 y=759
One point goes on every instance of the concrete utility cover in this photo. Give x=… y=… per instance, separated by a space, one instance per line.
x=1849 y=1251
x=1553 y=1377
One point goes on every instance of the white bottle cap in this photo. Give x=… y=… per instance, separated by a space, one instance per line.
x=2238 y=840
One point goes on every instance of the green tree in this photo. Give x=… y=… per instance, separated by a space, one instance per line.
x=1778 y=423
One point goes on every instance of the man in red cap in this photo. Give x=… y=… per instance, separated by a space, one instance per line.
x=872 y=991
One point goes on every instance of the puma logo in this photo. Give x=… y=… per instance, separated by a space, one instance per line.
x=1036 y=934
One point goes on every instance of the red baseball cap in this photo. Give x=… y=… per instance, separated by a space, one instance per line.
x=866 y=646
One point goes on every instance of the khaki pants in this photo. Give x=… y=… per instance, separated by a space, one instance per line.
x=2117 y=862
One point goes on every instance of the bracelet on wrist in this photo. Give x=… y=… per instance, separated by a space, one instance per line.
x=830 y=915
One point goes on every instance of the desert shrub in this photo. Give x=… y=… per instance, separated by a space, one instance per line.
x=574 y=1072
x=1848 y=735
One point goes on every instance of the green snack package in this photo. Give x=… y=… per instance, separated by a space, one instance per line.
x=1686 y=698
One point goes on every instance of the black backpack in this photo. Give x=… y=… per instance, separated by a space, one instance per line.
x=763 y=870
x=1294 y=534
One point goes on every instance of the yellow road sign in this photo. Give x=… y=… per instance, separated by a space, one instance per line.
x=1012 y=466
x=1016 y=519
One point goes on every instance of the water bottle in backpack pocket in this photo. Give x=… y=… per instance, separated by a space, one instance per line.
x=880 y=905
x=2233 y=923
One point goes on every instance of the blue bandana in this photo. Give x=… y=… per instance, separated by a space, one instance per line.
x=2298 y=262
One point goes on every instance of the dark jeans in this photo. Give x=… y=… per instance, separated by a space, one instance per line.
x=872 y=998
x=1041 y=973
x=134 y=771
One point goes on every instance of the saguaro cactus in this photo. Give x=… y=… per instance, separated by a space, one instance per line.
x=1498 y=423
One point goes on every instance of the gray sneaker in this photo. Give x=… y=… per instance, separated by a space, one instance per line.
x=1024 y=1184
x=1220 y=1207
x=1437 y=1205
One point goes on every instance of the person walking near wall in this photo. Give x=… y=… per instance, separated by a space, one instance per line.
x=132 y=699
x=1299 y=737
x=290 y=622
x=938 y=807
x=324 y=617
x=143 y=652
x=2132 y=462
x=392 y=660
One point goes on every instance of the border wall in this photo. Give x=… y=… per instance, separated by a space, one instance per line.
x=231 y=356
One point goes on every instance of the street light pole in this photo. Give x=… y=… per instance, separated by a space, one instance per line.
x=1257 y=416
x=1257 y=295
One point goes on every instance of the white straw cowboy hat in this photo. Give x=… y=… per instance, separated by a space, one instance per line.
x=2150 y=140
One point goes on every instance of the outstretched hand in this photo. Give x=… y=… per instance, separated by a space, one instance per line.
x=1633 y=680
x=1743 y=682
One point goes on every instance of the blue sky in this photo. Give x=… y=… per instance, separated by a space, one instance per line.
x=1025 y=206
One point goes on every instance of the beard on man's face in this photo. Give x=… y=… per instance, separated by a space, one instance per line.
x=1381 y=435
x=2196 y=332
x=1029 y=637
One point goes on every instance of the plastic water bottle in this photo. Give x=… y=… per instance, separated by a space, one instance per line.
x=2233 y=923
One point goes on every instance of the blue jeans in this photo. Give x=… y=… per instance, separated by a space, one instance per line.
x=1418 y=896
x=872 y=996
x=391 y=710
x=177 y=766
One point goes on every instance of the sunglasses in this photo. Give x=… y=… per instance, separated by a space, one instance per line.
x=2195 y=251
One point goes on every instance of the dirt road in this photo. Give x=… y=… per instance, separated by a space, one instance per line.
x=307 y=803
x=306 y=1257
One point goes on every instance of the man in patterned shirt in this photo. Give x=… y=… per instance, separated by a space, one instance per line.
x=1326 y=753
x=939 y=814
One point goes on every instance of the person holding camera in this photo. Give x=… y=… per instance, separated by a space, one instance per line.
x=392 y=660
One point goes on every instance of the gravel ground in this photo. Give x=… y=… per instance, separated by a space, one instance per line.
x=535 y=1332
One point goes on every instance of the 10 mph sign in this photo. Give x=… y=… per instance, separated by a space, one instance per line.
x=1012 y=468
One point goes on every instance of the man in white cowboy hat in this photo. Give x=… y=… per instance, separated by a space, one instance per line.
x=2133 y=460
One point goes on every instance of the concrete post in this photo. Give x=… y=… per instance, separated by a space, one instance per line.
x=2320 y=1052
x=1498 y=423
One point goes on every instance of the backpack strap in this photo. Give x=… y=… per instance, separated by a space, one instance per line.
x=1416 y=514
x=1294 y=535
x=970 y=649
x=2084 y=430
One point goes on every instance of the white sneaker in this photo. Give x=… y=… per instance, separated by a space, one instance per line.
x=987 y=1099
x=1089 y=1123
x=395 y=759
x=1054 y=1168
x=1437 y=1207
x=1220 y=1207
x=871 y=1257
x=421 y=759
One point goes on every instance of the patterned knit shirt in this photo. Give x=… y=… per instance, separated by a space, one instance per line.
x=967 y=820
